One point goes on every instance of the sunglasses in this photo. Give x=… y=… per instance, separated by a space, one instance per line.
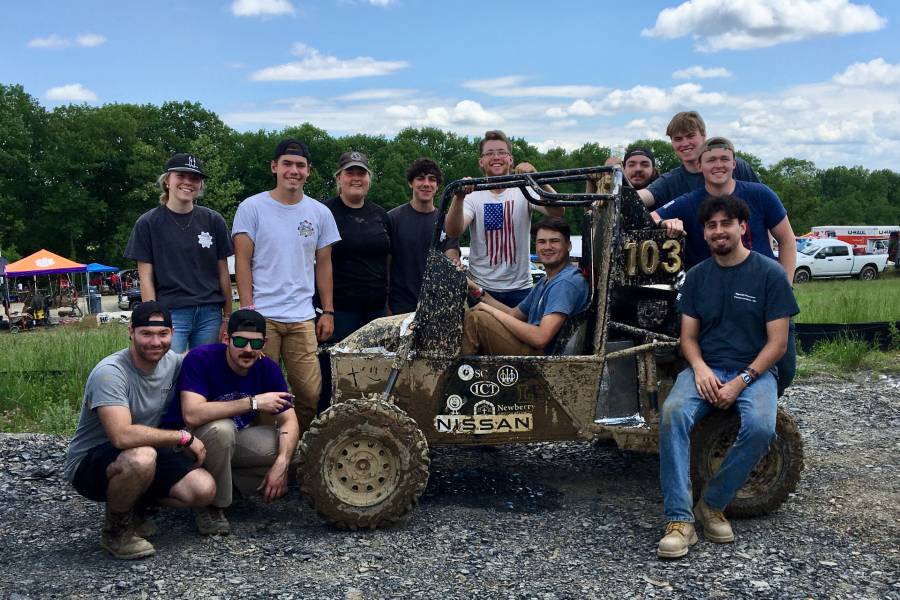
x=241 y=342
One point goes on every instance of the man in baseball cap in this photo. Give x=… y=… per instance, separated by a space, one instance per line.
x=639 y=166
x=119 y=455
x=294 y=234
x=236 y=401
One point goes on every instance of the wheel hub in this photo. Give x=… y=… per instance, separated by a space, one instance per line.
x=363 y=471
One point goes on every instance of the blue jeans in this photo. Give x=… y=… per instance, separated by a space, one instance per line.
x=511 y=298
x=757 y=406
x=195 y=326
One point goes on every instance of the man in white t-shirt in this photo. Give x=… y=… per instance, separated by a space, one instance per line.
x=282 y=251
x=499 y=222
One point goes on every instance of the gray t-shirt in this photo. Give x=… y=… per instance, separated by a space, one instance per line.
x=185 y=251
x=285 y=238
x=116 y=381
x=411 y=233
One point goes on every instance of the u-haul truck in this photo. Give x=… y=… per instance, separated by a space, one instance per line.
x=865 y=239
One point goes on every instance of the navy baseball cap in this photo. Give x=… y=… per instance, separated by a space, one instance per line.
x=185 y=163
x=291 y=146
x=142 y=315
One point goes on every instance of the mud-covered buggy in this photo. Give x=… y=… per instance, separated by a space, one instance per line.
x=401 y=385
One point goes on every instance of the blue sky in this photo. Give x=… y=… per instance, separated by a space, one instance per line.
x=814 y=79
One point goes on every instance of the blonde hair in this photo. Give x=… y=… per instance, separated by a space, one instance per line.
x=163 y=182
x=685 y=123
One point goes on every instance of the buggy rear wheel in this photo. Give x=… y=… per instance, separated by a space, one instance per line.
x=771 y=481
x=363 y=463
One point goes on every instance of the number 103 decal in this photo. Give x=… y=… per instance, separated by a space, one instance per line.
x=649 y=257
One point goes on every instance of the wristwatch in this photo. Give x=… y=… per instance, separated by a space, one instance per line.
x=746 y=377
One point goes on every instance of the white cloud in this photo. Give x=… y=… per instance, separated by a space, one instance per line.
x=377 y=94
x=698 y=72
x=382 y=3
x=653 y=99
x=740 y=25
x=464 y=113
x=90 y=40
x=261 y=8
x=73 y=92
x=875 y=72
x=51 y=41
x=511 y=87
x=85 y=40
x=315 y=66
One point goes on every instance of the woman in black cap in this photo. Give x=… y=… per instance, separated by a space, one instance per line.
x=182 y=254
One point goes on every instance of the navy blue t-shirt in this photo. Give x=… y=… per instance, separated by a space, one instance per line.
x=733 y=305
x=678 y=181
x=205 y=371
x=766 y=211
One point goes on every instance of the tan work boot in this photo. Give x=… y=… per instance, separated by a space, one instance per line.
x=211 y=520
x=716 y=527
x=680 y=536
x=119 y=539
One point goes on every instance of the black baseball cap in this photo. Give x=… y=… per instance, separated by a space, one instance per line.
x=640 y=151
x=353 y=159
x=291 y=146
x=185 y=163
x=142 y=313
x=246 y=319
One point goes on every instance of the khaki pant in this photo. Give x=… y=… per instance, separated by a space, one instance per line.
x=484 y=334
x=295 y=344
x=237 y=457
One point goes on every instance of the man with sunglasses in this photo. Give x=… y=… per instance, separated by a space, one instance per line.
x=499 y=222
x=235 y=400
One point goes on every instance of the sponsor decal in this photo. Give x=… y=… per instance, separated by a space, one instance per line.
x=465 y=372
x=454 y=403
x=484 y=424
x=744 y=297
x=484 y=407
x=507 y=375
x=204 y=239
x=484 y=389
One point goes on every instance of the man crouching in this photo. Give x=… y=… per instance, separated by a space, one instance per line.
x=735 y=308
x=236 y=400
x=118 y=454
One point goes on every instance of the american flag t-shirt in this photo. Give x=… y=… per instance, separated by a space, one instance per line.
x=499 y=232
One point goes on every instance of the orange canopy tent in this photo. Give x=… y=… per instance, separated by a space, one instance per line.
x=43 y=262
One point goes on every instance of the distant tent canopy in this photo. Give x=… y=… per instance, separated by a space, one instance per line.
x=43 y=262
x=98 y=268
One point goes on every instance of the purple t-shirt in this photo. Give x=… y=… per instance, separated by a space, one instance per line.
x=205 y=371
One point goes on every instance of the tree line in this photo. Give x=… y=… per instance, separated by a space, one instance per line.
x=74 y=179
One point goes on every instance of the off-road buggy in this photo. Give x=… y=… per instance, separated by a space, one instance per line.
x=400 y=384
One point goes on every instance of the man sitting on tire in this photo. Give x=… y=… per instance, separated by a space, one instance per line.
x=236 y=401
x=734 y=327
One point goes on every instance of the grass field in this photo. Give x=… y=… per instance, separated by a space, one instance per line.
x=850 y=300
x=42 y=373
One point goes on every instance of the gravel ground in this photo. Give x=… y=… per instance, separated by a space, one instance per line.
x=540 y=521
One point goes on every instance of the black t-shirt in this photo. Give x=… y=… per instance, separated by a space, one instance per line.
x=411 y=233
x=733 y=305
x=359 y=260
x=185 y=251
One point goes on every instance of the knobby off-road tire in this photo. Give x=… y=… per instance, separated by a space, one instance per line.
x=363 y=463
x=773 y=479
x=802 y=275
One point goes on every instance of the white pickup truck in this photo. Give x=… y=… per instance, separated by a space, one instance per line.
x=834 y=258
